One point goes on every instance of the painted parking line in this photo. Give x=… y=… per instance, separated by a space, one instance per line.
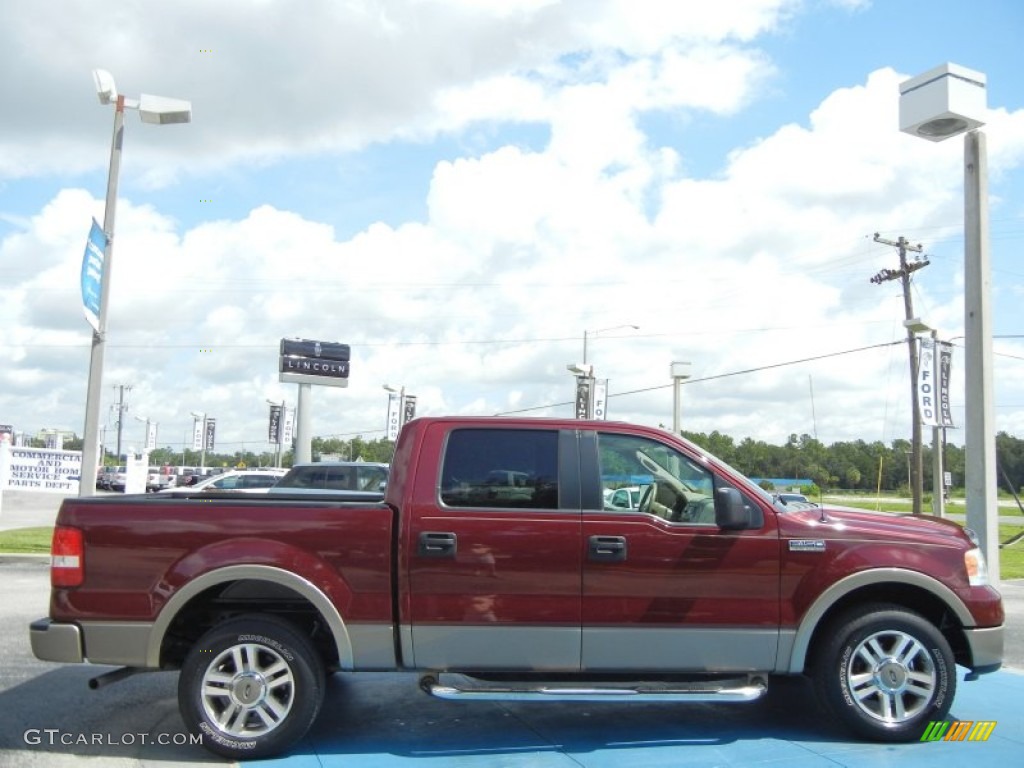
x=382 y=721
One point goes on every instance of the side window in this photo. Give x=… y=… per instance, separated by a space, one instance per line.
x=646 y=477
x=371 y=478
x=504 y=468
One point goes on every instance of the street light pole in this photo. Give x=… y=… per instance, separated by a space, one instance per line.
x=939 y=104
x=679 y=371
x=152 y=109
x=603 y=330
x=90 y=442
x=979 y=423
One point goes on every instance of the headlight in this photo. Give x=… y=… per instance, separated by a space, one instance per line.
x=977 y=569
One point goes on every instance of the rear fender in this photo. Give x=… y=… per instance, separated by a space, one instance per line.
x=306 y=575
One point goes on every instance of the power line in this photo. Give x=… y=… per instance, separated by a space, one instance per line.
x=714 y=378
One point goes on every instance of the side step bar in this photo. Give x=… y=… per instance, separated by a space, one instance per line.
x=722 y=691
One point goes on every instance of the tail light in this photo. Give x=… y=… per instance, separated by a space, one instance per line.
x=67 y=557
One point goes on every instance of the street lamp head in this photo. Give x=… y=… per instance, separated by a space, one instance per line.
x=916 y=325
x=580 y=369
x=160 y=110
x=105 y=87
x=679 y=370
x=943 y=102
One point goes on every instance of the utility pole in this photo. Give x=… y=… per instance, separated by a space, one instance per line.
x=903 y=273
x=121 y=408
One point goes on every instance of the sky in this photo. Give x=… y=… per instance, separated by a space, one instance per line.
x=464 y=191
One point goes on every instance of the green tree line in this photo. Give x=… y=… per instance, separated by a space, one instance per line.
x=856 y=465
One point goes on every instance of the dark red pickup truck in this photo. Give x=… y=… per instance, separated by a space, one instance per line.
x=498 y=567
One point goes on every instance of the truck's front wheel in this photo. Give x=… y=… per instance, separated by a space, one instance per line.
x=251 y=687
x=885 y=673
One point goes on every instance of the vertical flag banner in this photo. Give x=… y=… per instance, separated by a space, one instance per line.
x=289 y=426
x=92 y=274
x=601 y=399
x=197 y=434
x=394 y=415
x=934 y=368
x=409 y=409
x=945 y=358
x=926 y=399
x=274 y=427
x=151 y=436
x=584 y=386
x=211 y=430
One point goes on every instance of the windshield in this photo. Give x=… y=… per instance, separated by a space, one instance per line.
x=748 y=485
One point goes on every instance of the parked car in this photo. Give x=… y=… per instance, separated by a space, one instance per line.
x=359 y=480
x=113 y=478
x=242 y=480
x=623 y=498
x=159 y=478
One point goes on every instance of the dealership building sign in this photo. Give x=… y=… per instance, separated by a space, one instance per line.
x=304 y=361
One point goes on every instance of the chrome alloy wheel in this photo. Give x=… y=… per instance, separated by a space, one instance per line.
x=248 y=690
x=892 y=677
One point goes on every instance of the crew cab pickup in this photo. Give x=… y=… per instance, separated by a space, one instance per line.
x=494 y=567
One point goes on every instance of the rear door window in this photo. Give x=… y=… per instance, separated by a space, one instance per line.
x=503 y=468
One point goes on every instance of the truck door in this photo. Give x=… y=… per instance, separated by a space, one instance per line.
x=494 y=553
x=663 y=587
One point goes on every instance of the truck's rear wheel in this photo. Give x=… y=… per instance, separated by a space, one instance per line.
x=885 y=673
x=251 y=687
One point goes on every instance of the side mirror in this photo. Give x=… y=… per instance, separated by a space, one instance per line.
x=730 y=512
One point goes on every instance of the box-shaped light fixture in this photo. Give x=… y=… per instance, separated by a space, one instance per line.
x=942 y=102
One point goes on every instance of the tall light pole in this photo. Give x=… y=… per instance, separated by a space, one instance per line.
x=679 y=371
x=587 y=334
x=914 y=326
x=149 y=442
x=158 y=111
x=941 y=103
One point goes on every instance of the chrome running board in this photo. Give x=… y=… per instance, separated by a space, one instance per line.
x=721 y=691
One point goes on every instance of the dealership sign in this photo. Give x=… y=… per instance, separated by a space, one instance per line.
x=39 y=469
x=314 y=362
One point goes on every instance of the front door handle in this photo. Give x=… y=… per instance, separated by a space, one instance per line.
x=434 y=544
x=608 y=549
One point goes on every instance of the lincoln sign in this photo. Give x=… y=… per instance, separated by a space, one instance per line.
x=314 y=362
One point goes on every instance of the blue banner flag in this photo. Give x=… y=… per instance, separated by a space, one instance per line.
x=92 y=274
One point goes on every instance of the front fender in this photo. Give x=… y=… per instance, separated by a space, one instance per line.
x=793 y=654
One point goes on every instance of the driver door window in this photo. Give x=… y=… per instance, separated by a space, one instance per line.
x=660 y=481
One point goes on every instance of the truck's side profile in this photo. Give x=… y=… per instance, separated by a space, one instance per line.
x=495 y=567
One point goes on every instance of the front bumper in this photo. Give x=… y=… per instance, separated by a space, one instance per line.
x=986 y=646
x=54 y=641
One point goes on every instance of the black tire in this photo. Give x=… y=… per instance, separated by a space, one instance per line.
x=884 y=673
x=251 y=687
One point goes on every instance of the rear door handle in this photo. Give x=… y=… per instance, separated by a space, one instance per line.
x=433 y=544
x=607 y=549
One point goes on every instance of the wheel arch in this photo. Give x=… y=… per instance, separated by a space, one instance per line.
x=911 y=589
x=200 y=589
